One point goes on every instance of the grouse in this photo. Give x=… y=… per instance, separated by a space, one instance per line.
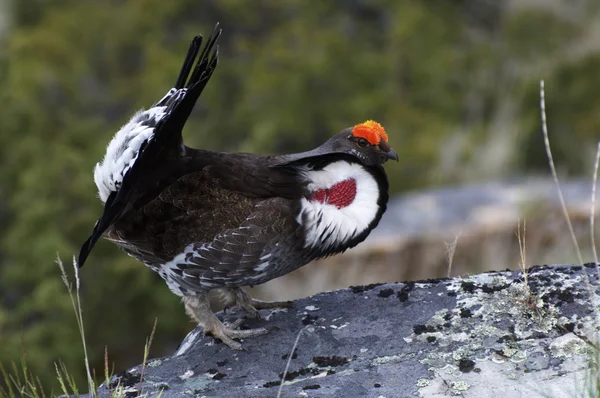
x=211 y=221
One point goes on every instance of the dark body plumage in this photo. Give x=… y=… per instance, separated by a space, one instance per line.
x=234 y=210
x=206 y=220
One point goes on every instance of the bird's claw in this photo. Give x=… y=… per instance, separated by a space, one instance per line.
x=227 y=333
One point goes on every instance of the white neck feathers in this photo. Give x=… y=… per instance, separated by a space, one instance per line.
x=327 y=225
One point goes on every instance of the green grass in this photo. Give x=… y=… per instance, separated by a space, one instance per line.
x=20 y=382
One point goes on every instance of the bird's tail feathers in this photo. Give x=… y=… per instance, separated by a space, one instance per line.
x=127 y=178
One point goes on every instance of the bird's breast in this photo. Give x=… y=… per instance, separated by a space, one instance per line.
x=340 y=195
x=340 y=205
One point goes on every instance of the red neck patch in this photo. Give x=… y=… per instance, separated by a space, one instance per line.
x=340 y=195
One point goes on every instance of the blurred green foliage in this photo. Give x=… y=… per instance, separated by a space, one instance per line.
x=454 y=83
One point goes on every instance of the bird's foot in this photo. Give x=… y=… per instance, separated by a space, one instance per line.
x=198 y=307
x=251 y=305
x=227 y=333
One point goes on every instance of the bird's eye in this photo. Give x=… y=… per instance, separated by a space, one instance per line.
x=362 y=142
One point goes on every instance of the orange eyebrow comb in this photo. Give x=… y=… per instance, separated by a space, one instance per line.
x=371 y=131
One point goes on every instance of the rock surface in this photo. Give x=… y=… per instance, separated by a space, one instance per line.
x=489 y=204
x=480 y=336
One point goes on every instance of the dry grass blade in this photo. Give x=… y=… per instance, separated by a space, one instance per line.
x=523 y=252
x=553 y=169
x=594 y=390
x=560 y=195
x=593 y=209
x=76 y=303
x=450 y=250
x=147 y=349
x=289 y=361
x=107 y=372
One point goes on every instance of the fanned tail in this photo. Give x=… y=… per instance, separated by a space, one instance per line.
x=136 y=184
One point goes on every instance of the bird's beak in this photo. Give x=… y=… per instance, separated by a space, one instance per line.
x=387 y=150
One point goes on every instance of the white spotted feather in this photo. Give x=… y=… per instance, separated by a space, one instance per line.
x=124 y=149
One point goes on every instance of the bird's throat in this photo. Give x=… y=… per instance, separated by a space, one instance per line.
x=341 y=194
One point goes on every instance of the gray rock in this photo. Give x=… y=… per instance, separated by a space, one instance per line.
x=478 y=336
x=429 y=211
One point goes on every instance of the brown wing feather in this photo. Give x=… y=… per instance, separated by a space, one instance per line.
x=194 y=209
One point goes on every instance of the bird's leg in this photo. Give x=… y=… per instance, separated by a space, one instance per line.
x=251 y=305
x=198 y=308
